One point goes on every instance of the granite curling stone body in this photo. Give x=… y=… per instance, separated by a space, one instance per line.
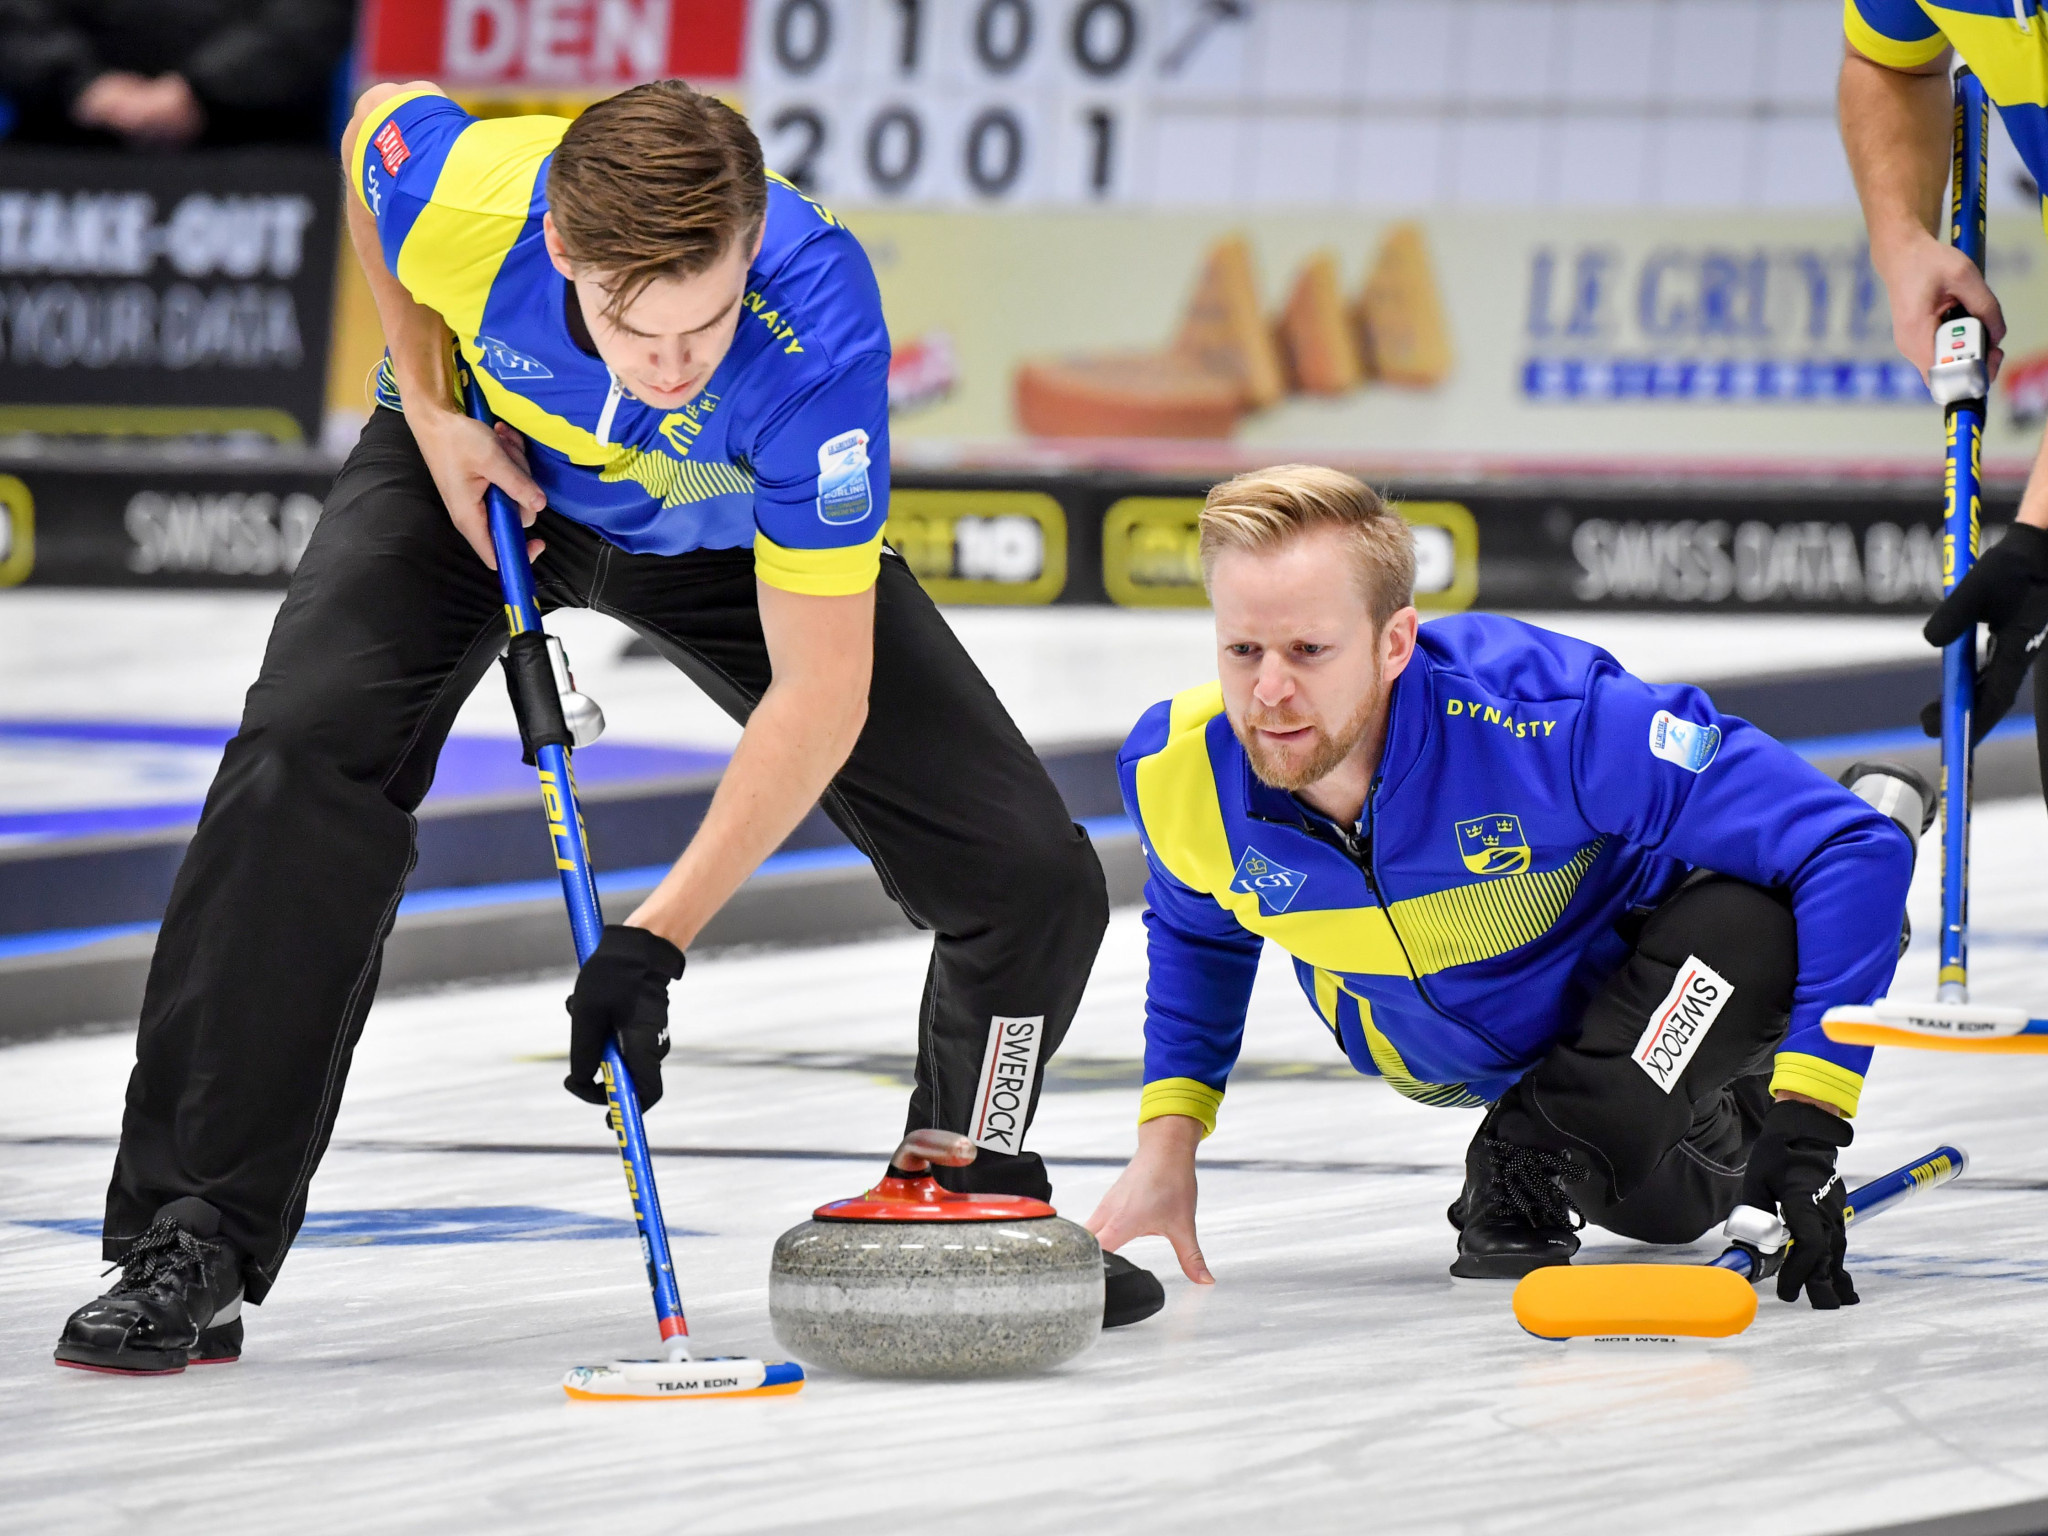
x=914 y=1280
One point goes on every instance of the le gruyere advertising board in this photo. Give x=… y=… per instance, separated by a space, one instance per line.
x=1585 y=337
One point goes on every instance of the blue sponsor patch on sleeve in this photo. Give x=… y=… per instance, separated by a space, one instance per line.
x=1272 y=882
x=1691 y=746
x=509 y=362
x=843 y=493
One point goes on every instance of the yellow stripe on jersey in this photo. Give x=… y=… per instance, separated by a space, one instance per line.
x=1327 y=988
x=1476 y=922
x=1878 y=48
x=1181 y=1096
x=369 y=131
x=2011 y=64
x=1385 y=1055
x=1193 y=709
x=1455 y=926
x=1405 y=1082
x=818 y=572
x=675 y=481
x=1818 y=1078
x=480 y=204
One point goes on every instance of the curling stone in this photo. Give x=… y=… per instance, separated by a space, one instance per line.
x=913 y=1280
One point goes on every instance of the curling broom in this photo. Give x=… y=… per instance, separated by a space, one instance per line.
x=1705 y=1301
x=1957 y=380
x=540 y=688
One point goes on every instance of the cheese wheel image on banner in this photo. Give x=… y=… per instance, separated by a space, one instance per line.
x=1135 y=395
x=1314 y=333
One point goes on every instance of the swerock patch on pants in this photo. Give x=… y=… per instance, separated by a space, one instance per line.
x=1004 y=1094
x=1681 y=1021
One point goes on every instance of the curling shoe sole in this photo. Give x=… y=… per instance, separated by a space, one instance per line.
x=1507 y=1266
x=218 y=1345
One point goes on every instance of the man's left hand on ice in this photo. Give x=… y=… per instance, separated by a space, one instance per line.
x=1792 y=1171
x=622 y=992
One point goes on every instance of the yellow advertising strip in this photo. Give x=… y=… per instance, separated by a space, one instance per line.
x=1151 y=553
x=153 y=420
x=944 y=537
x=1456 y=520
x=17 y=531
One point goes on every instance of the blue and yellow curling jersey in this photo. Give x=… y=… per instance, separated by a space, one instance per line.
x=2004 y=41
x=786 y=448
x=1529 y=794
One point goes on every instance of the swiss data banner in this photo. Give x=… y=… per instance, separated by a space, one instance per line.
x=166 y=294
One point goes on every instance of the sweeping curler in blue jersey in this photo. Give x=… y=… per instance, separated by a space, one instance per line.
x=553 y=718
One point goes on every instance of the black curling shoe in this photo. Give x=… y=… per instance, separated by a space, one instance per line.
x=178 y=1301
x=1129 y=1294
x=1514 y=1214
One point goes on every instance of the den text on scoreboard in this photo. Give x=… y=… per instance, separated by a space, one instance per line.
x=562 y=49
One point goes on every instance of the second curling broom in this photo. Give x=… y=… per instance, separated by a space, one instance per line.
x=1958 y=380
x=1630 y=1302
x=1635 y=1301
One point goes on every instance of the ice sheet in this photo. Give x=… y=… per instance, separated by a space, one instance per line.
x=1335 y=1380
x=1067 y=674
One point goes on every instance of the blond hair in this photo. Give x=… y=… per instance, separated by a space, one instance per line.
x=1269 y=508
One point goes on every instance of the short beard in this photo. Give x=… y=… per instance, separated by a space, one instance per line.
x=1280 y=771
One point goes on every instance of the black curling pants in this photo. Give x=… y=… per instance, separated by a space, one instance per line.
x=1667 y=1157
x=269 y=952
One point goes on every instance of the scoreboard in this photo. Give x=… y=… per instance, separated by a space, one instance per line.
x=980 y=103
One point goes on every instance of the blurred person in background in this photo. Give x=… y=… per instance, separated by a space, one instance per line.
x=167 y=74
x=1896 y=110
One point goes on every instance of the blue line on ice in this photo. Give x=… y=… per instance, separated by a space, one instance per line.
x=411 y=1226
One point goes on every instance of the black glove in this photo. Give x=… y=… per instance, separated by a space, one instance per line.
x=2008 y=589
x=622 y=990
x=1792 y=1171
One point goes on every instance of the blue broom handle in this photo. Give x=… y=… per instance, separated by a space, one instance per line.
x=1880 y=1194
x=1963 y=505
x=586 y=917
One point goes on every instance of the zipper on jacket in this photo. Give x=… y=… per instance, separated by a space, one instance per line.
x=611 y=408
x=1359 y=850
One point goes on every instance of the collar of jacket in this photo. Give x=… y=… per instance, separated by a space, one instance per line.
x=1407 y=728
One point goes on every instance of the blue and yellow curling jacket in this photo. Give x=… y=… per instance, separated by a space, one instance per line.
x=786 y=448
x=1529 y=794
